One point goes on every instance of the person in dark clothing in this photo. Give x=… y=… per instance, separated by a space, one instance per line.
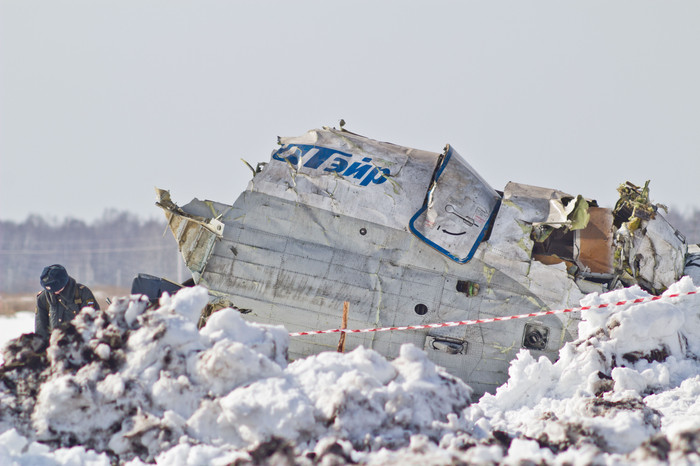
x=61 y=300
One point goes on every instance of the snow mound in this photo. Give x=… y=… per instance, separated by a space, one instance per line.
x=614 y=392
x=132 y=384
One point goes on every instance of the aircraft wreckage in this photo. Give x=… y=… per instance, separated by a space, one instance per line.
x=409 y=237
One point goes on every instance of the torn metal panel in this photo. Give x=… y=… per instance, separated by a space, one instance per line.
x=652 y=255
x=554 y=227
x=510 y=247
x=596 y=242
x=648 y=250
x=194 y=234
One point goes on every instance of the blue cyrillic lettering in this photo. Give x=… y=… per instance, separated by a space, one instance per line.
x=372 y=176
x=337 y=165
x=357 y=170
x=287 y=154
x=318 y=155
x=315 y=157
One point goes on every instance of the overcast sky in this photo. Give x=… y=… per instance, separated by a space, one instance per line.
x=100 y=101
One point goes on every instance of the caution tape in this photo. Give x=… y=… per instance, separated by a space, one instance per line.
x=494 y=319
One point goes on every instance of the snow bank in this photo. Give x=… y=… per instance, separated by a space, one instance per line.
x=136 y=383
x=617 y=389
x=132 y=384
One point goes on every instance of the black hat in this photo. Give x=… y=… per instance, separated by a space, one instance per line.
x=54 y=277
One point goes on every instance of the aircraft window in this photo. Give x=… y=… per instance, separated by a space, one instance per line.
x=421 y=309
x=458 y=209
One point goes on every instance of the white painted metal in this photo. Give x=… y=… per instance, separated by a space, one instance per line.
x=338 y=217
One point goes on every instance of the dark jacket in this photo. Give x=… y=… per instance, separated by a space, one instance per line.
x=53 y=310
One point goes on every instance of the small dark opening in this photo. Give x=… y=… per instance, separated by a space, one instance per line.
x=467 y=287
x=559 y=243
x=535 y=337
x=421 y=309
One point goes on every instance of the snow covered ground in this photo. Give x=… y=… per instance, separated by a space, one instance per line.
x=135 y=385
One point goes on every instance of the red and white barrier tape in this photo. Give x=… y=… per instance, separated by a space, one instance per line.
x=494 y=319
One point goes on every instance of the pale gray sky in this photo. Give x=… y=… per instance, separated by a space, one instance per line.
x=100 y=101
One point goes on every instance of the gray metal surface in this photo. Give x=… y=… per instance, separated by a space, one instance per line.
x=295 y=265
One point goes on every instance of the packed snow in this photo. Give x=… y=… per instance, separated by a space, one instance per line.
x=134 y=385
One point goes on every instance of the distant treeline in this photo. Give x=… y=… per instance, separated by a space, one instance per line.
x=114 y=249
x=108 y=252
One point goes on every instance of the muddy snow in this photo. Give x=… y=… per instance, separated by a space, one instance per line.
x=133 y=385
